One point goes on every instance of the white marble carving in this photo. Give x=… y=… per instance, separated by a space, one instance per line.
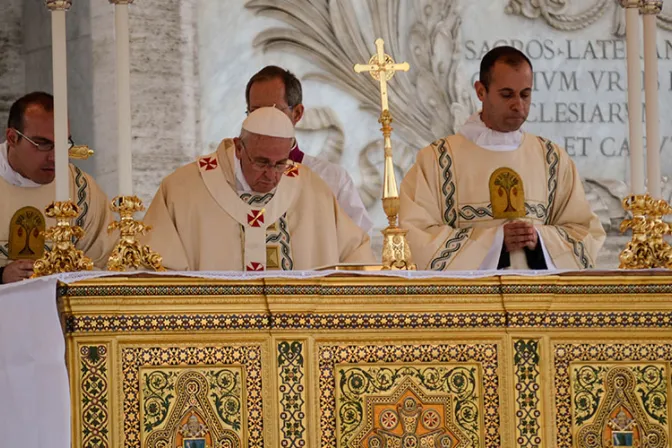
x=568 y=15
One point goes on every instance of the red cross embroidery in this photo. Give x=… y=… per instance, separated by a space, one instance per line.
x=209 y=163
x=292 y=171
x=255 y=218
x=254 y=266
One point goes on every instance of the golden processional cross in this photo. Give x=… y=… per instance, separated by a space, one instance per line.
x=396 y=252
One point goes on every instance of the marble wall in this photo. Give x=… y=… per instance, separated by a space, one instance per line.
x=36 y=51
x=164 y=90
x=164 y=80
x=12 y=66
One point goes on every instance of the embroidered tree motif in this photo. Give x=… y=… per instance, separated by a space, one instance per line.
x=508 y=184
x=30 y=223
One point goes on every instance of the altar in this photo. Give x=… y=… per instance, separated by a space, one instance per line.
x=346 y=360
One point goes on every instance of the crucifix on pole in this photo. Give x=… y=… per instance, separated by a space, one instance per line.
x=382 y=68
x=396 y=252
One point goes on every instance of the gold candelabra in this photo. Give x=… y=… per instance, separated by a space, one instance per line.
x=80 y=152
x=63 y=256
x=647 y=249
x=396 y=251
x=128 y=252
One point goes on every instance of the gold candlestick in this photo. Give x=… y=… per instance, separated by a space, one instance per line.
x=80 y=152
x=129 y=253
x=63 y=256
x=396 y=251
x=647 y=248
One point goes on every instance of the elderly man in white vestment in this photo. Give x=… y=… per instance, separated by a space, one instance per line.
x=275 y=86
x=27 y=187
x=493 y=196
x=248 y=207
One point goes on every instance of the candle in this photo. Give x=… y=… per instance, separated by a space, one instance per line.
x=651 y=94
x=125 y=166
x=634 y=98
x=60 y=77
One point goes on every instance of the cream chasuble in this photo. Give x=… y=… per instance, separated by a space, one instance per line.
x=94 y=216
x=446 y=206
x=202 y=223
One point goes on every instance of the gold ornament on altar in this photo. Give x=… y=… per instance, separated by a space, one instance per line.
x=653 y=7
x=396 y=251
x=80 y=152
x=129 y=253
x=58 y=5
x=647 y=249
x=63 y=256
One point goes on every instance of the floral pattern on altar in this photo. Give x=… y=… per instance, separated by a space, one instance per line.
x=171 y=390
x=192 y=408
x=620 y=401
x=159 y=393
x=466 y=375
x=94 y=390
x=292 y=387
x=528 y=400
x=611 y=393
x=405 y=415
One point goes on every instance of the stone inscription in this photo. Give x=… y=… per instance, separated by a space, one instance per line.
x=580 y=96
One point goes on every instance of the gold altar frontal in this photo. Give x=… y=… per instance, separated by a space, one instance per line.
x=357 y=361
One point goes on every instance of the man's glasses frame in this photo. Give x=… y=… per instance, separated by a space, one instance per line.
x=262 y=166
x=43 y=147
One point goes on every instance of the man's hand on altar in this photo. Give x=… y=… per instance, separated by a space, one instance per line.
x=17 y=270
x=519 y=234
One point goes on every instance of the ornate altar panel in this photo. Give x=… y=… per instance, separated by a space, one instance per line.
x=617 y=395
x=562 y=361
x=385 y=395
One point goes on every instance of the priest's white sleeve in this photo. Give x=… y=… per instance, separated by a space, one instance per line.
x=349 y=199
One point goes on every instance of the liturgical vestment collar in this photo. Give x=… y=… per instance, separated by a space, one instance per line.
x=478 y=133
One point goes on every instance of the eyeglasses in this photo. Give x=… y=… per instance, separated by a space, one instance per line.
x=261 y=166
x=45 y=146
x=249 y=111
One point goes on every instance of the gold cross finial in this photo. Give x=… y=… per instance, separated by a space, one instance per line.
x=381 y=67
x=396 y=251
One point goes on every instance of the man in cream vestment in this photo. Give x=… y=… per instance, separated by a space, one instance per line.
x=495 y=197
x=277 y=87
x=27 y=180
x=248 y=207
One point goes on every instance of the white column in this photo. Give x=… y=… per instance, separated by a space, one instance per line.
x=650 y=9
x=634 y=96
x=60 y=77
x=122 y=36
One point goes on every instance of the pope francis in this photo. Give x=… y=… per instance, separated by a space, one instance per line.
x=248 y=207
